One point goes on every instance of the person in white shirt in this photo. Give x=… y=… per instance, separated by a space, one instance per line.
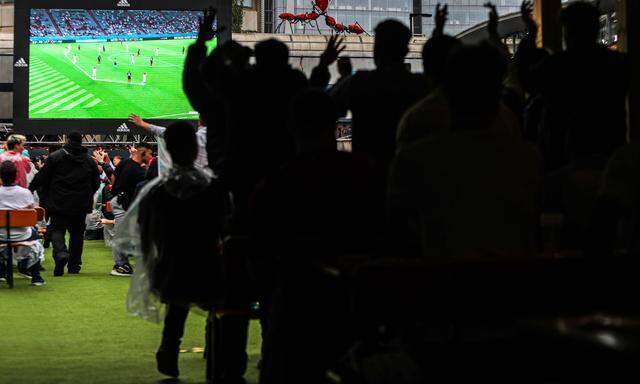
x=12 y=197
x=94 y=73
x=144 y=78
x=133 y=59
x=201 y=163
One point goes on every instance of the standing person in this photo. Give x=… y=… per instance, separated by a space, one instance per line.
x=157 y=51
x=99 y=59
x=378 y=98
x=129 y=76
x=183 y=49
x=14 y=153
x=144 y=78
x=115 y=61
x=69 y=178
x=94 y=73
x=172 y=275
x=133 y=59
x=151 y=62
x=138 y=51
x=104 y=49
x=202 y=161
x=584 y=90
x=128 y=174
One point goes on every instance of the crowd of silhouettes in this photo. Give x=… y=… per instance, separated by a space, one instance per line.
x=456 y=163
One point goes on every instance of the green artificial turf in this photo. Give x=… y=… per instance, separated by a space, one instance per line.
x=58 y=88
x=75 y=329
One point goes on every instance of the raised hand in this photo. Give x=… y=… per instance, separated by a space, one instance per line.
x=493 y=20
x=442 y=14
x=334 y=48
x=137 y=120
x=206 y=31
x=526 y=12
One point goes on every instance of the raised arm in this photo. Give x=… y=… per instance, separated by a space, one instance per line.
x=139 y=122
x=320 y=75
x=442 y=14
x=192 y=79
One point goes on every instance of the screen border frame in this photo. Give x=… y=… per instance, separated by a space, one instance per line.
x=21 y=121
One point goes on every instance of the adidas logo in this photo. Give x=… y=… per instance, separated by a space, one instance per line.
x=123 y=3
x=21 y=63
x=123 y=128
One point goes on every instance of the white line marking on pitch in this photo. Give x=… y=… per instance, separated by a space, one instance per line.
x=174 y=115
x=105 y=80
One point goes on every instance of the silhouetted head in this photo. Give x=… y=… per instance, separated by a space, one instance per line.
x=434 y=56
x=272 y=54
x=472 y=84
x=581 y=24
x=74 y=138
x=8 y=173
x=314 y=117
x=182 y=144
x=344 y=66
x=391 y=43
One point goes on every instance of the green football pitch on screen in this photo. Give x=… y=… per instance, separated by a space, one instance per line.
x=69 y=83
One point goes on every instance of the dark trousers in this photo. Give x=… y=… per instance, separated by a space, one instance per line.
x=173 y=327
x=75 y=225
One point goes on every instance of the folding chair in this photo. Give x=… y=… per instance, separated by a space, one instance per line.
x=17 y=218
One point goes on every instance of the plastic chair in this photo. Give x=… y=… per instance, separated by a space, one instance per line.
x=11 y=219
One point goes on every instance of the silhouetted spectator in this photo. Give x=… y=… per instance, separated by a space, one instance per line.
x=181 y=222
x=325 y=203
x=255 y=143
x=69 y=179
x=379 y=98
x=527 y=58
x=615 y=222
x=469 y=192
x=584 y=89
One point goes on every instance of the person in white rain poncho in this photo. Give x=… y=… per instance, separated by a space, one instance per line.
x=173 y=228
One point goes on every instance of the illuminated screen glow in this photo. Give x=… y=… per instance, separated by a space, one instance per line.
x=106 y=64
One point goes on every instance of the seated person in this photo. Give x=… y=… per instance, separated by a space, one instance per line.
x=180 y=231
x=13 y=196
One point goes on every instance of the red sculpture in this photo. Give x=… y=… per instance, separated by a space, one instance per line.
x=320 y=8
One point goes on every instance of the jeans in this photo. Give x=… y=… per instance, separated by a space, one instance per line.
x=118 y=214
x=75 y=225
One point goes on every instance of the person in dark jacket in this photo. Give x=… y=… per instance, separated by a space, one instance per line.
x=180 y=222
x=377 y=99
x=69 y=179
